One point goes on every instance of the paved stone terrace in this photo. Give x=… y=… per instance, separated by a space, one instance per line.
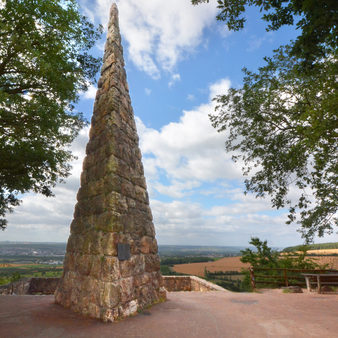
x=185 y=314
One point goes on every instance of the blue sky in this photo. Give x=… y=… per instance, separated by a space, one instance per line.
x=177 y=59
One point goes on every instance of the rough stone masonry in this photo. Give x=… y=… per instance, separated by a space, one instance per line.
x=111 y=267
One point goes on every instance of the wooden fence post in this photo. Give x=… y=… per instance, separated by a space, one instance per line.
x=252 y=279
x=286 y=278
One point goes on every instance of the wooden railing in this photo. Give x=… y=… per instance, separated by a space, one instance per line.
x=281 y=276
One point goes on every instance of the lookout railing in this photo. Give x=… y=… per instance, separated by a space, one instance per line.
x=282 y=276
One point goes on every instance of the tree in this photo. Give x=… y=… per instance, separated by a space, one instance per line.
x=263 y=257
x=317 y=20
x=283 y=122
x=44 y=64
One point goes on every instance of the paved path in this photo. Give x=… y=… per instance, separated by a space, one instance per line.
x=185 y=314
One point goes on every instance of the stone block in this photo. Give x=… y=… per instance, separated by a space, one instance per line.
x=152 y=263
x=110 y=294
x=141 y=194
x=109 y=244
x=96 y=205
x=117 y=202
x=95 y=237
x=148 y=245
x=128 y=309
x=112 y=182
x=133 y=266
x=83 y=264
x=142 y=279
x=127 y=289
x=69 y=262
x=109 y=221
x=95 y=267
x=127 y=189
x=93 y=310
x=110 y=269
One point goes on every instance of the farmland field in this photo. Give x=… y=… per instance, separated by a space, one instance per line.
x=332 y=261
x=223 y=264
x=12 y=272
x=324 y=252
x=234 y=264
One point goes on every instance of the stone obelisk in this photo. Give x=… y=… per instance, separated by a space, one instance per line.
x=111 y=267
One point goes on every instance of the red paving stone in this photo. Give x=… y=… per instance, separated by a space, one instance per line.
x=185 y=314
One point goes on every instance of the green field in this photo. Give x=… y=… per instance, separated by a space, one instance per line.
x=22 y=266
x=13 y=273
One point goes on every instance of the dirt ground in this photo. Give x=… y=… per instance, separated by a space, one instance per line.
x=214 y=314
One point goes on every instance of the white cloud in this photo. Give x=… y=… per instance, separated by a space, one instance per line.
x=256 y=42
x=174 y=78
x=40 y=218
x=177 y=189
x=186 y=161
x=189 y=150
x=190 y=155
x=147 y=91
x=158 y=33
x=184 y=222
x=218 y=88
x=90 y=93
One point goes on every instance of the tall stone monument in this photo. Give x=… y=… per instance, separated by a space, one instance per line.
x=111 y=267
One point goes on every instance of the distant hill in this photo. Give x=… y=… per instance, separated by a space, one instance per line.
x=32 y=249
x=196 y=250
x=321 y=246
x=57 y=249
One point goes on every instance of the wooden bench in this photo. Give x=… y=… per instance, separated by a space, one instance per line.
x=320 y=279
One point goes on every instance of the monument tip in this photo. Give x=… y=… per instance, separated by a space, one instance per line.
x=113 y=9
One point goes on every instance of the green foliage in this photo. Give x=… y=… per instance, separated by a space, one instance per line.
x=15 y=277
x=166 y=270
x=283 y=125
x=228 y=283
x=221 y=273
x=263 y=257
x=4 y=280
x=317 y=21
x=185 y=260
x=44 y=64
x=283 y=122
x=230 y=280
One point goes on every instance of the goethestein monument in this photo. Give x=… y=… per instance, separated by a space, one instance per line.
x=111 y=267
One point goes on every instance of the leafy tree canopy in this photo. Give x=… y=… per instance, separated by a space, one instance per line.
x=317 y=21
x=44 y=64
x=282 y=124
x=265 y=257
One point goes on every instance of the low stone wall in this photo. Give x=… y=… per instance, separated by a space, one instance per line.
x=30 y=286
x=189 y=283
x=47 y=286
